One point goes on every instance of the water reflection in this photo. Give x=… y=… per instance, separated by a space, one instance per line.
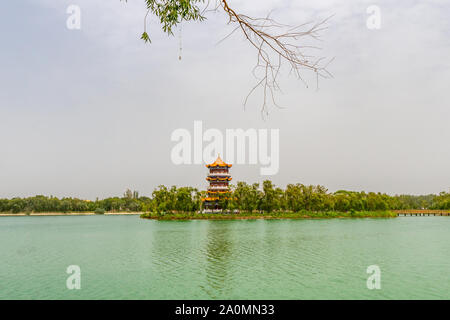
x=218 y=250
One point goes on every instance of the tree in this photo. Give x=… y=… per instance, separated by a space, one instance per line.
x=185 y=199
x=161 y=198
x=275 y=43
x=269 y=200
x=128 y=194
x=442 y=201
x=247 y=197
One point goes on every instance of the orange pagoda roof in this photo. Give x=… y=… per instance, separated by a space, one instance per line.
x=218 y=179
x=218 y=163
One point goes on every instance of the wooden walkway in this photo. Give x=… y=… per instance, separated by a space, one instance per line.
x=405 y=213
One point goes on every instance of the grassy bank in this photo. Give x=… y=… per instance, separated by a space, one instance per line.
x=273 y=215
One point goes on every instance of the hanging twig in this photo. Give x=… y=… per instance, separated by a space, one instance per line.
x=277 y=43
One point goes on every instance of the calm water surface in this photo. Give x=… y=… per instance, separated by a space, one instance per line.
x=125 y=257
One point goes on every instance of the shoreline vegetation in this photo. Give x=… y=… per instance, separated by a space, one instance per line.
x=267 y=216
x=34 y=214
x=222 y=215
x=244 y=215
x=241 y=201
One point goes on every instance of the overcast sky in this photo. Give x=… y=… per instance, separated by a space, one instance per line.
x=90 y=112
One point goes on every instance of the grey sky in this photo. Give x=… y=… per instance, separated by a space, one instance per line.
x=89 y=112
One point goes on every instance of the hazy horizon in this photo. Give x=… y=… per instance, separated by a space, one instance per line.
x=89 y=113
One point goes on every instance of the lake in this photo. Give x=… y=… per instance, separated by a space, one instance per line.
x=125 y=257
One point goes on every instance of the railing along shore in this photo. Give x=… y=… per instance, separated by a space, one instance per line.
x=424 y=212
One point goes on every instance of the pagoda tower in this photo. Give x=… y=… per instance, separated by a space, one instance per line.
x=219 y=178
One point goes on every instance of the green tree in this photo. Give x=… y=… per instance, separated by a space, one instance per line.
x=269 y=199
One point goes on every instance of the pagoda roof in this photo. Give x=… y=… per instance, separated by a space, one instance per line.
x=218 y=163
x=218 y=179
x=210 y=198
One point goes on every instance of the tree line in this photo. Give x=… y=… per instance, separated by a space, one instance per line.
x=243 y=197
x=130 y=202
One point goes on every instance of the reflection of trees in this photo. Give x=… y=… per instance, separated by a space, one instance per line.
x=218 y=253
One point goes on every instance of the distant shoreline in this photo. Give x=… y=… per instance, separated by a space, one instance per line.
x=243 y=216
x=70 y=214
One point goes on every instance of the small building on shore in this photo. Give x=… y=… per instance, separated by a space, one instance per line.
x=219 y=178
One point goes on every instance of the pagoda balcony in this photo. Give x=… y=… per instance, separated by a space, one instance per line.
x=214 y=188
x=214 y=192
x=223 y=174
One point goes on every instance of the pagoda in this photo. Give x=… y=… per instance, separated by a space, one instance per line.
x=219 y=178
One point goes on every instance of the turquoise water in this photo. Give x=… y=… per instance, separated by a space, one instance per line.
x=125 y=257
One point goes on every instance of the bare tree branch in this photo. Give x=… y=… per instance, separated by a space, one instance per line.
x=276 y=43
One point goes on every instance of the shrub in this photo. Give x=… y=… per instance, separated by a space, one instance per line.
x=99 y=211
